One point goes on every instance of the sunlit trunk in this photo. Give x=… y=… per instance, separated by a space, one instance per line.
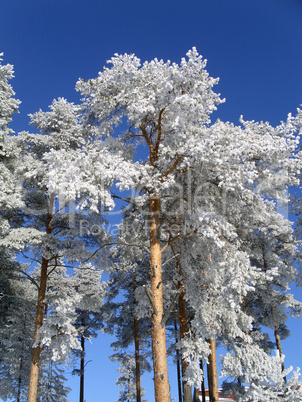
x=159 y=352
x=36 y=351
x=212 y=372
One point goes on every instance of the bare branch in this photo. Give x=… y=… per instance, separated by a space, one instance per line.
x=148 y=293
x=167 y=315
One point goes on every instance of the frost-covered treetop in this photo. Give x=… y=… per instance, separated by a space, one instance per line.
x=8 y=105
x=182 y=93
x=167 y=106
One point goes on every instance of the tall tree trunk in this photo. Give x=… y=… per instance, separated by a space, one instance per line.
x=212 y=372
x=20 y=378
x=136 y=346
x=82 y=367
x=178 y=364
x=36 y=352
x=276 y=326
x=137 y=364
x=35 y=360
x=196 y=395
x=159 y=351
x=203 y=388
x=278 y=340
x=184 y=329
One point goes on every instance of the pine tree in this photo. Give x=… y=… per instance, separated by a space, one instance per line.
x=167 y=108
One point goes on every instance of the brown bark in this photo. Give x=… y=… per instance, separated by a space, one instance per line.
x=178 y=365
x=276 y=327
x=212 y=372
x=35 y=360
x=137 y=364
x=136 y=346
x=159 y=352
x=36 y=351
x=196 y=395
x=20 y=379
x=278 y=341
x=184 y=329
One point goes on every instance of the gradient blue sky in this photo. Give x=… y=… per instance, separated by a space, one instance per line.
x=254 y=46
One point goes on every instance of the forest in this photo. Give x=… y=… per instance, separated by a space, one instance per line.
x=204 y=255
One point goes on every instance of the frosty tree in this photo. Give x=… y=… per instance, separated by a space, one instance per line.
x=166 y=107
x=41 y=229
x=163 y=103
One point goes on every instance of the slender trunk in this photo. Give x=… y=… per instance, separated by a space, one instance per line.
x=178 y=365
x=212 y=372
x=136 y=345
x=82 y=368
x=278 y=344
x=159 y=351
x=20 y=378
x=36 y=352
x=278 y=340
x=21 y=364
x=203 y=388
x=35 y=360
x=184 y=329
x=196 y=395
x=137 y=364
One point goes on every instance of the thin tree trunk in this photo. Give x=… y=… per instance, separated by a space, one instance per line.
x=212 y=372
x=136 y=345
x=196 y=395
x=278 y=344
x=20 y=379
x=35 y=360
x=36 y=352
x=21 y=364
x=184 y=329
x=82 y=368
x=178 y=364
x=159 y=351
x=203 y=388
x=278 y=340
x=137 y=364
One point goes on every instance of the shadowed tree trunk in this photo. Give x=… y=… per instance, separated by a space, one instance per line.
x=36 y=352
x=278 y=340
x=136 y=345
x=276 y=326
x=178 y=364
x=137 y=363
x=184 y=329
x=20 y=379
x=203 y=388
x=212 y=372
x=196 y=395
x=82 y=364
x=159 y=351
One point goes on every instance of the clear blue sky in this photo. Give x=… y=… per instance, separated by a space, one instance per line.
x=254 y=46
